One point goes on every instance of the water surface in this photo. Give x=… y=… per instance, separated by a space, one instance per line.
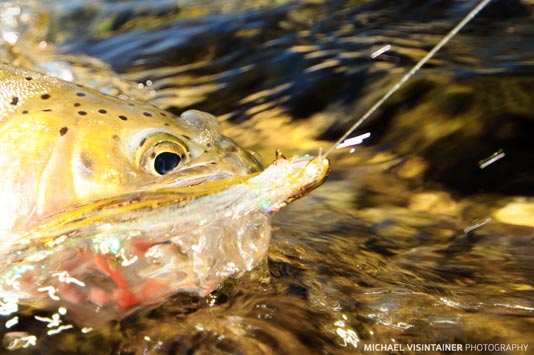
x=414 y=239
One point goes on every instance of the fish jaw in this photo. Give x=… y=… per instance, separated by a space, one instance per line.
x=302 y=174
x=104 y=260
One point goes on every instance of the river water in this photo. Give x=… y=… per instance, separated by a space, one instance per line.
x=422 y=235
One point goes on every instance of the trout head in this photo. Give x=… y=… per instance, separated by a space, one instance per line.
x=64 y=145
x=110 y=205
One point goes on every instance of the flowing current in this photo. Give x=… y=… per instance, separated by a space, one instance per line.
x=422 y=236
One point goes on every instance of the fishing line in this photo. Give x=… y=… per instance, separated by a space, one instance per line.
x=408 y=75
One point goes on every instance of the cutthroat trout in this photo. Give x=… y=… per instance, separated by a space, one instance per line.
x=109 y=205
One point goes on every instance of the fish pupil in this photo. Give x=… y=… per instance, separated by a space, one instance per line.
x=166 y=162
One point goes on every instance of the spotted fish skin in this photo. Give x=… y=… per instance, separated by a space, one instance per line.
x=64 y=145
x=111 y=205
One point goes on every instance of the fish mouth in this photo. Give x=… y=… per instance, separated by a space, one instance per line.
x=194 y=175
x=105 y=259
x=211 y=167
x=297 y=176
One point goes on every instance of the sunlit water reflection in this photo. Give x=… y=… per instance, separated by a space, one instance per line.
x=417 y=238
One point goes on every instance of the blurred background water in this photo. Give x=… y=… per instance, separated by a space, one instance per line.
x=423 y=234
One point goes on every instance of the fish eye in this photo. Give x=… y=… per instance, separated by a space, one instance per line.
x=165 y=162
x=162 y=154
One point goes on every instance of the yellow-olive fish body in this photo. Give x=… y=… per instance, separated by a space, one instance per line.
x=111 y=204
